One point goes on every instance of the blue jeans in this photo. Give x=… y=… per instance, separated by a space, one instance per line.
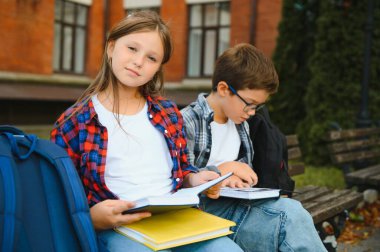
x=110 y=240
x=267 y=225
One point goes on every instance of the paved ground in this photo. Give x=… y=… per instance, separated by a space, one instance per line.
x=371 y=244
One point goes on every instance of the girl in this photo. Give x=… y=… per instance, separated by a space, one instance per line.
x=125 y=140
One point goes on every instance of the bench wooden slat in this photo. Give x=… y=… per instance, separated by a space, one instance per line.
x=353 y=145
x=357 y=155
x=292 y=140
x=329 y=197
x=296 y=169
x=305 y=189
x=294 y=153
x=310 y=195
x=374 y=180
x=367 y=172
x=351 y=133
x=330 y=209
x=370 y=175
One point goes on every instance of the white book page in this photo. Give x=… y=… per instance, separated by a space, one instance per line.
x=186 y=196
x=248 y=189
x=198 y=189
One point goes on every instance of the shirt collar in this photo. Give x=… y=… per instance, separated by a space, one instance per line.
x=208 y=112
x=89 y=109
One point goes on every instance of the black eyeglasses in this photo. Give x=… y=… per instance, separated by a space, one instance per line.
x=248 y=106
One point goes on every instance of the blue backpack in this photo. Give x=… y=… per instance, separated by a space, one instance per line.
x=42 y=203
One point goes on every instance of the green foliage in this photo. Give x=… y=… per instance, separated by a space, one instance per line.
x=294 y=47
x=330 y=177
x=374 y=94
x=336 y=66
x=320 y=61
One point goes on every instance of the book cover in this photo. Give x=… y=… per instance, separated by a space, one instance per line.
x=249 y=193
x=176 y=228
x=183 y=198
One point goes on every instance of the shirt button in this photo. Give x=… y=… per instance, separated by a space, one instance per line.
x=207 y=150
x=166 y=132
x=176 y=153
x=177 y=179
x=150 y=116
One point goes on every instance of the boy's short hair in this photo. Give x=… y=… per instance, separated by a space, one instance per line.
x=244 y=66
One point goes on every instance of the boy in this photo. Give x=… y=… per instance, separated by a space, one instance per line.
x=218 y=140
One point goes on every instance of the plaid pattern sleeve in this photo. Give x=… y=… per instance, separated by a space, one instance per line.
x=198 y=132
x=85 y=140
x=63 y=134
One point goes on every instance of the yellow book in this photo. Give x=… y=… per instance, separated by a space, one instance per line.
x=176 y=228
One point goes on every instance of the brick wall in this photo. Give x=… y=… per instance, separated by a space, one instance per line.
x=268 y=17
x=95 y=38
x=175 y=70
x=241 y=13
x=27 y=29
x=116 y=12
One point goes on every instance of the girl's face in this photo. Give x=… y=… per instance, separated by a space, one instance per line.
x=136 y=57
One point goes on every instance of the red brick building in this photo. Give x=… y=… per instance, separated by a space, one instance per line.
x=52 y=49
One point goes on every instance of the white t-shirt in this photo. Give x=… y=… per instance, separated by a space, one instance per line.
x=138 y=163
x=225 y=143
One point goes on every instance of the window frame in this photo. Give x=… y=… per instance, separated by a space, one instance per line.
x=73 y=26
x=204 y=29
x=156 y=9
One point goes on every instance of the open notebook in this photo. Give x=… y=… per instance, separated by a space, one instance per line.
x=183 y=198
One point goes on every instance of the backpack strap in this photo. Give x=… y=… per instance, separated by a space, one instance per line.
x=14 y=146
x=7 y=178
x=11 y=129
x=73 y=189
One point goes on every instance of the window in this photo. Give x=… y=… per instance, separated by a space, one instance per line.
x=70 y=31
x=131 y=10
x=209 y=36
x=138 y=5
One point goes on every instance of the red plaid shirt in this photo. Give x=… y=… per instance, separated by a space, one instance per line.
x=85 y=140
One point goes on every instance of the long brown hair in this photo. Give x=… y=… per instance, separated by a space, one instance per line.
x=135 y=22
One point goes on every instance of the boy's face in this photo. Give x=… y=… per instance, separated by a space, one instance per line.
x=235 y=106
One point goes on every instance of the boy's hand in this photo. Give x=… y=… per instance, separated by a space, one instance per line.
x=195 y=179
x=241 y=170
x=234 y=182
x=109 y=214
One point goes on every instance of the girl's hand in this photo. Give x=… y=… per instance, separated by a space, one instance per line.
x=109 y=214
x=241 y=170
x=195 y=179
x=234 y=182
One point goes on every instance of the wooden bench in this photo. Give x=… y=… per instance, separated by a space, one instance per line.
x=357 y=151
x=323 y=203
